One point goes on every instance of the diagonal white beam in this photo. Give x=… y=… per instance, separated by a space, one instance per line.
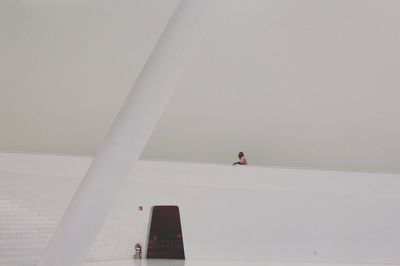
x=131 y=129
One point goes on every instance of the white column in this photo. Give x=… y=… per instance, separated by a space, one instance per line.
x=132 y=128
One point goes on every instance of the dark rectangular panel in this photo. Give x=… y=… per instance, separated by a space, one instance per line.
x=165 y=238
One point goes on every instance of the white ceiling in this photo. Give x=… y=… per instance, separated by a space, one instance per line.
x=298 y=83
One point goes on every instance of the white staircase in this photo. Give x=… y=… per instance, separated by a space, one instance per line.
x=27 y=222
x=23 y=234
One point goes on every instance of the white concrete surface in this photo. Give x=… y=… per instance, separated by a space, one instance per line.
x=215 y=263
x=131 y=129
x=25 y=231
x=232 y=213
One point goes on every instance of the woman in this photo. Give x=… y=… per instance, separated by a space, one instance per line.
x=242 y=159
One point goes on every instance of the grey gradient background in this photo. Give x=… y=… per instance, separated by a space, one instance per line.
x=294 y=83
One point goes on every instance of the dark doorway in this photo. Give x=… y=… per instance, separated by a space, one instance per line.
x=165 y=238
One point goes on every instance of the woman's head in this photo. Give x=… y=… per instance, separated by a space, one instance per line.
x=240 y=155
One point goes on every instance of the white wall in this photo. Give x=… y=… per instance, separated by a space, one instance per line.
x=243 y=213
x=304 y=83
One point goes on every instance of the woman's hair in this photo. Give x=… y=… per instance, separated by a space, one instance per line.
x=240 y=155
